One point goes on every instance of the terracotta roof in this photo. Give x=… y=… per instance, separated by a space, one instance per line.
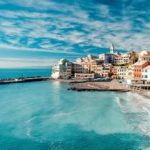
x=140 y=62
x=148 y=54
x=148 y=67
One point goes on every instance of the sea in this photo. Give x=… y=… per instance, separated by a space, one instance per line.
x=24 y=72
x=45 y=116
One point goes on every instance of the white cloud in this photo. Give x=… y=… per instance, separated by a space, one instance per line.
x=25 y=62
x=46 y=31
x=57 y=49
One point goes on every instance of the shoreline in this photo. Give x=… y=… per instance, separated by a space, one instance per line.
x=81 y=85
x=113 y=85
x=143 y=93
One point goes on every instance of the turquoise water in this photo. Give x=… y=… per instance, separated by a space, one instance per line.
x=45 y=116
x=25 y=72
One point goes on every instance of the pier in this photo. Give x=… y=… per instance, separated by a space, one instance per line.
x=24 y=79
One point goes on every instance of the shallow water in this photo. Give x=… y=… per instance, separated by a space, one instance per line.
x=44 y=115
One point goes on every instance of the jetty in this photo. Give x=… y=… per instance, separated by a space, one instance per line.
x=23 y=79
x=113 y=85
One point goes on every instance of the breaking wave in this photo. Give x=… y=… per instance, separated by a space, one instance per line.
x=136 y=109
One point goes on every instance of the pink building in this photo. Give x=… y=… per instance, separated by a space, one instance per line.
x=122 y=59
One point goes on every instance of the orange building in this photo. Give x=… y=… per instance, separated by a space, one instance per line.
x=114 y=72
x=138 y=66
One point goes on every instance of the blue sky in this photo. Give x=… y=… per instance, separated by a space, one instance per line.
x=39 y=32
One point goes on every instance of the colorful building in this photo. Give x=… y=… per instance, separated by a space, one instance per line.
x=146 y=57
x=146 y=74
x=80 y=68
x=121 y=59
x=114 y=72
x=122 y=72
x=104 y=65
x=106 y=70
x=138 y=66
x=96 y=67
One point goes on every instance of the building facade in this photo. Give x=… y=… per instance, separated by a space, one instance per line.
x=130 y=73
x=106 y=70
x=138 y=66
x=80 y=68
x=121 y=59
x=63 y=70
x=122 y=72
x=84 y=76
x=146 y=57
x=146 y=74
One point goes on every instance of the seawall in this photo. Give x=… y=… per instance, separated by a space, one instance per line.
x=25 y=79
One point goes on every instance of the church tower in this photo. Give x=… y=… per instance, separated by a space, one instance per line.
x=112 y=49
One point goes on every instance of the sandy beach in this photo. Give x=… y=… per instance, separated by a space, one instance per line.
x=113 y=85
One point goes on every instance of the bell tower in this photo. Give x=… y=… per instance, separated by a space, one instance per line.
x=112 y=49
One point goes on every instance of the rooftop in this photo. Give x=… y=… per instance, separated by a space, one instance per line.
x=140 y=62
x=147 y=55
x=148 y=67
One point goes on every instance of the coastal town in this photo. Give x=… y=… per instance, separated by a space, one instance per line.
x=111 y=71
x=132 y=68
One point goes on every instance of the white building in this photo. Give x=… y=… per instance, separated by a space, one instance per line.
x=122 y=72
x=146 y=73
x=102 y=57
x=62 y=70
x=141 y=54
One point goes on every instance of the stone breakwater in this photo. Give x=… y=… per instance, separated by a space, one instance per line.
x=113 y=85
x=22 y=80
